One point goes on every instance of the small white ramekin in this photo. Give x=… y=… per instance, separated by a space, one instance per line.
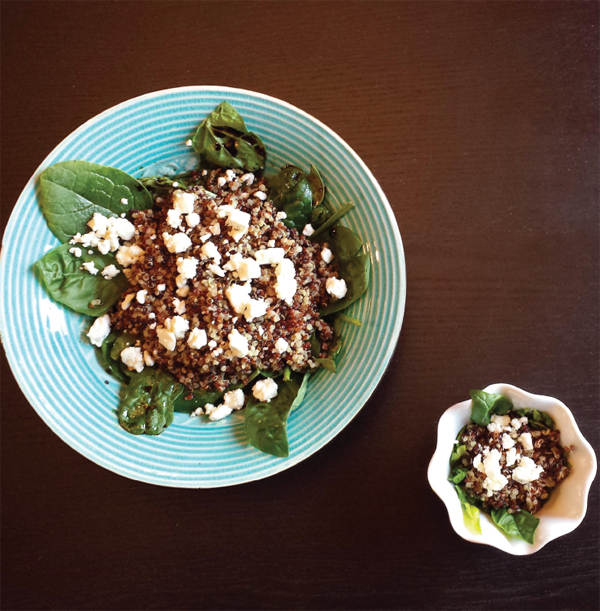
x=567 y=505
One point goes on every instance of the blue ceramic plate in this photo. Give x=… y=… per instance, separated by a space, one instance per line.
x=56 y=366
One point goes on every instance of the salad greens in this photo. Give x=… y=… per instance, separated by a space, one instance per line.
x=483 y=406
x=72 y=191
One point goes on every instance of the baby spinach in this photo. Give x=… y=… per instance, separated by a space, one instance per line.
x=332 y=220
x=60 y=274
x=147 y=403
x=107 y=362
x=72 y=191
x=458 y=474
x=537 y=420
x=522 y=524
x=317 y=186
x=456 y=456
x=291 y=192
x=485 y=404
x=470 y=512
x=223 y=140
x=265 y=423
x=354 y=266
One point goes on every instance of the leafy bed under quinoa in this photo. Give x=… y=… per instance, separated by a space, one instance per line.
x=506 y=463
x=129 y=273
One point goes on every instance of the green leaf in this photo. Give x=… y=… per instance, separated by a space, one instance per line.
x=470 y=512
x=353 y=321
x=456 y=456
x=223 y=140
x=72 y=191
x=113 y=366
x=457 y=475
x=327 y=363
x=124 y=340
x=521 y=525
x=317 y=186
x=537 y=420
x=60 y=274
x=291 y=192
x=354 y=267
x=485 y=404
x=265 y=423
x=332 y=220
x=147 y=403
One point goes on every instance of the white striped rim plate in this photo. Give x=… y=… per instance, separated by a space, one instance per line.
x=56 y=367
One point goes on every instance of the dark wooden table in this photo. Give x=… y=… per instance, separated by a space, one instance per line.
x=480 y=121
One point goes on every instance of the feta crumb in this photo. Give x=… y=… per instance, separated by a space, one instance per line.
x=234 y=399
x=238 y=344
x=507 y=442
x=247 y=178
x=179 y=306
x=183 y=291
x=175 y=184
x=141 y=296
x=133 y=358
x=212 y=344
x=174 y=218
x=220 y=412
x=326 y=255
x=110 y=271
x=176 y=243
x=152 y=315
x=527 y=471
x=336 y=288
x=174 y=328
x=187 y=267
x=161 y=287
x=90 y=268
x=477 y=463
x=286 y=285
x=269 y=256
x=124 y=201
x=127 y=301
x=255 y=308
x=128 y=255
x=526 y=441
x=148 y=360
x=210 y=251
x=205 y=237
x=265 y=390
x=95 y=302
x=511 y=457
x=308 y=230
x=281 y=345
x=192 y=219
x=189 y=142
x=76 y=252
x=515 y=423
x=221 y=181
x=197 y=339
x=197 y=412
x=261 y=195
x=182 y=201
x=100 y=330
x=216 y=270
x=238 y=296
x=280 y=216
x=246 y=268
x=237 y=220
x=495 y=480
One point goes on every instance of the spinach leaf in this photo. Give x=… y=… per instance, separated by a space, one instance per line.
x=353 y=321
x=456 y=456
x=327 y=363
x=72 y=191
x=124 y=340
x=291 y=192
x=537 y=420
x=112 y=366
x=332 y=220
x=223 y=140
x=60 y=274
x=265 y=423
x=354 y=267
x=457 y=475
x=317 y=186
x=521 y=524
x=485 y=404
x=147 y=403
x=470 y=512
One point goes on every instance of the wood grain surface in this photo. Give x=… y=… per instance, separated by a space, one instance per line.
x=480 y=121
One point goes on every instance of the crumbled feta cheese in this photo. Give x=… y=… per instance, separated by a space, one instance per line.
x=212 y=344
x=336 y=288
x=261 y=195
x=189 y=142
x=286 y=285
x=100 y=330
x=246 y=268
x=234 y=399
x=237 y=220
x=110 y=271
x=495 y=480
x=187 y=267
x=238 y=344
x=178 y=306
x=511 y=457
x=128 y=255
x=308 y=230
x=220 y=412
x=208 y=408
x=127 y=301
x=90 y=267
x=152 y=315
x=174 y=328
x=221 y=181
x=216 y=270
x=280 y=216
x=192 y=219
x=229 y=175
x=76 y=252
x=526 y=441
x=95 y=302
x=515 y=423
x=197 y=412
x=265 y=390
x=215 y=228
x=197 y=339
x=183 y=202
x=174 y=218
x=238 y=296
x=477 y=463
x=247 y=178
x=255 y=308
x=161 y=287
x=507 y=442
x=281 y=345
x=269 y=256
x=148 y=360
x=183 y=291
x=133 y=358
x=176 y=243
x=527 y=471
x=141 y=296
x=166 y=338
x=499 y=424
x=210 y=251
x=205 y=237
x=326 y=255
x=124 y=201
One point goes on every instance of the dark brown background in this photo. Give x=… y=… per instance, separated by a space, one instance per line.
x=480 y=120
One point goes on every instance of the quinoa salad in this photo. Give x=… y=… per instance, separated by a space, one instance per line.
x=506 y=463
x=215 y=291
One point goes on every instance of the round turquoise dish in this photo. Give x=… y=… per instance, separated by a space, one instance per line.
x=56 y=366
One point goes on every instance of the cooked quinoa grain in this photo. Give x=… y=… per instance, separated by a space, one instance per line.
x=199 y=256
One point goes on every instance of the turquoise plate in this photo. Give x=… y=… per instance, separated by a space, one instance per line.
x=55 y=365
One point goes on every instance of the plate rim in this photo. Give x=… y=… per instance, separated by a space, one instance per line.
x=390 y=348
